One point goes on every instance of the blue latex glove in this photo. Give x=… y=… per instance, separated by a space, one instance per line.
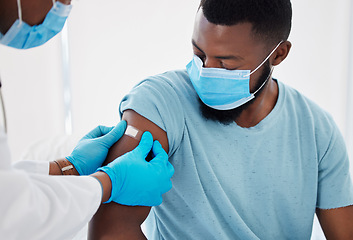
x=136 y=181
x=91 y=151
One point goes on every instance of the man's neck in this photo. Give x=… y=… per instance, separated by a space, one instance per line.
x=261 y=107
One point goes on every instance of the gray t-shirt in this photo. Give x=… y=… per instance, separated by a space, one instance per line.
x=263 y=182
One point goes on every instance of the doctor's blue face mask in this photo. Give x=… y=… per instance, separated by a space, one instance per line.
x=220 y=88
x=23 y=36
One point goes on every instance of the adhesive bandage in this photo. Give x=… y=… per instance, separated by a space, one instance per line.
x=133 y=132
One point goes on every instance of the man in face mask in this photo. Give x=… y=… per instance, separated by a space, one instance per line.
x=34 y=205
x=253 y=158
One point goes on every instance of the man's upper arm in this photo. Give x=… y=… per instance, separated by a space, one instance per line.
x=114 y=221
x=336 y=223
x=335 y=190
x=126 y=143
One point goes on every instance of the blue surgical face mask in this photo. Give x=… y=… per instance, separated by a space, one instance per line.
x=220 y=88
x=23 y=36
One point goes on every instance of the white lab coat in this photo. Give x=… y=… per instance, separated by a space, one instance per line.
x=34 y=205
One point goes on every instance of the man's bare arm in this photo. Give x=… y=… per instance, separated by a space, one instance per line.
x=336 y=223
x=115 y=221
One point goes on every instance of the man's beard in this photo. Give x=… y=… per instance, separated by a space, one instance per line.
x=226 y=117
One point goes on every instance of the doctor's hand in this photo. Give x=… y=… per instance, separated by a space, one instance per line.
x=91 y=151
x=136 y=181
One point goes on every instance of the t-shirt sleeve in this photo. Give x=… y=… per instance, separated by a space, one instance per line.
x=335 y=188
x=158 y=101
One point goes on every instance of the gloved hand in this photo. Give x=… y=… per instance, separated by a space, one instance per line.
x=91 y=151
x=136 y=181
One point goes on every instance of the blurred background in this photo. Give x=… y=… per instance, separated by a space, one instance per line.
x=76 y=81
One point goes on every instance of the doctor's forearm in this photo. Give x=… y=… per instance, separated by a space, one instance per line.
x=106 y=184
x=57 y=167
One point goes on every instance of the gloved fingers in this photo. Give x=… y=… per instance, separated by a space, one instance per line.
x=105 y=130
x=157 y=202
x=159 y=154
x=161 y=159
x=97 y=132
x=167 y=186
x=114 y=134
x=145 y=145
x=170 y=169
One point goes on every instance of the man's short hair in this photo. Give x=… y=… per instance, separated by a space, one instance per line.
x=271 y=19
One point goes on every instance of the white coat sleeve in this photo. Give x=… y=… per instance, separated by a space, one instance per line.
x=37 y=206
x=39 y=167
x=46 y=207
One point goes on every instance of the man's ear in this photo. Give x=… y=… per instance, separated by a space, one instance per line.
x=281 y=53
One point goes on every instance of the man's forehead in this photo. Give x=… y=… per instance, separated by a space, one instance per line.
x=244 y=29
x=238 y=38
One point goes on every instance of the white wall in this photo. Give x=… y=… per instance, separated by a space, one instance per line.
x=114 y=44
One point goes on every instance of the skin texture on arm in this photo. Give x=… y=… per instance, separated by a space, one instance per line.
x=115 y=221
x=336 y=223
x=54 y=168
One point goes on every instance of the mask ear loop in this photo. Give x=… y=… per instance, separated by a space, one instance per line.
x=264 y=82
x=265 y=59
x=19 y=8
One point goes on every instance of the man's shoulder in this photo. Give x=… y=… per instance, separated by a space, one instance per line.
x=173 y=78
x=295 y=97
x=168 y=84
x=161 y=90
x=305 y=108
